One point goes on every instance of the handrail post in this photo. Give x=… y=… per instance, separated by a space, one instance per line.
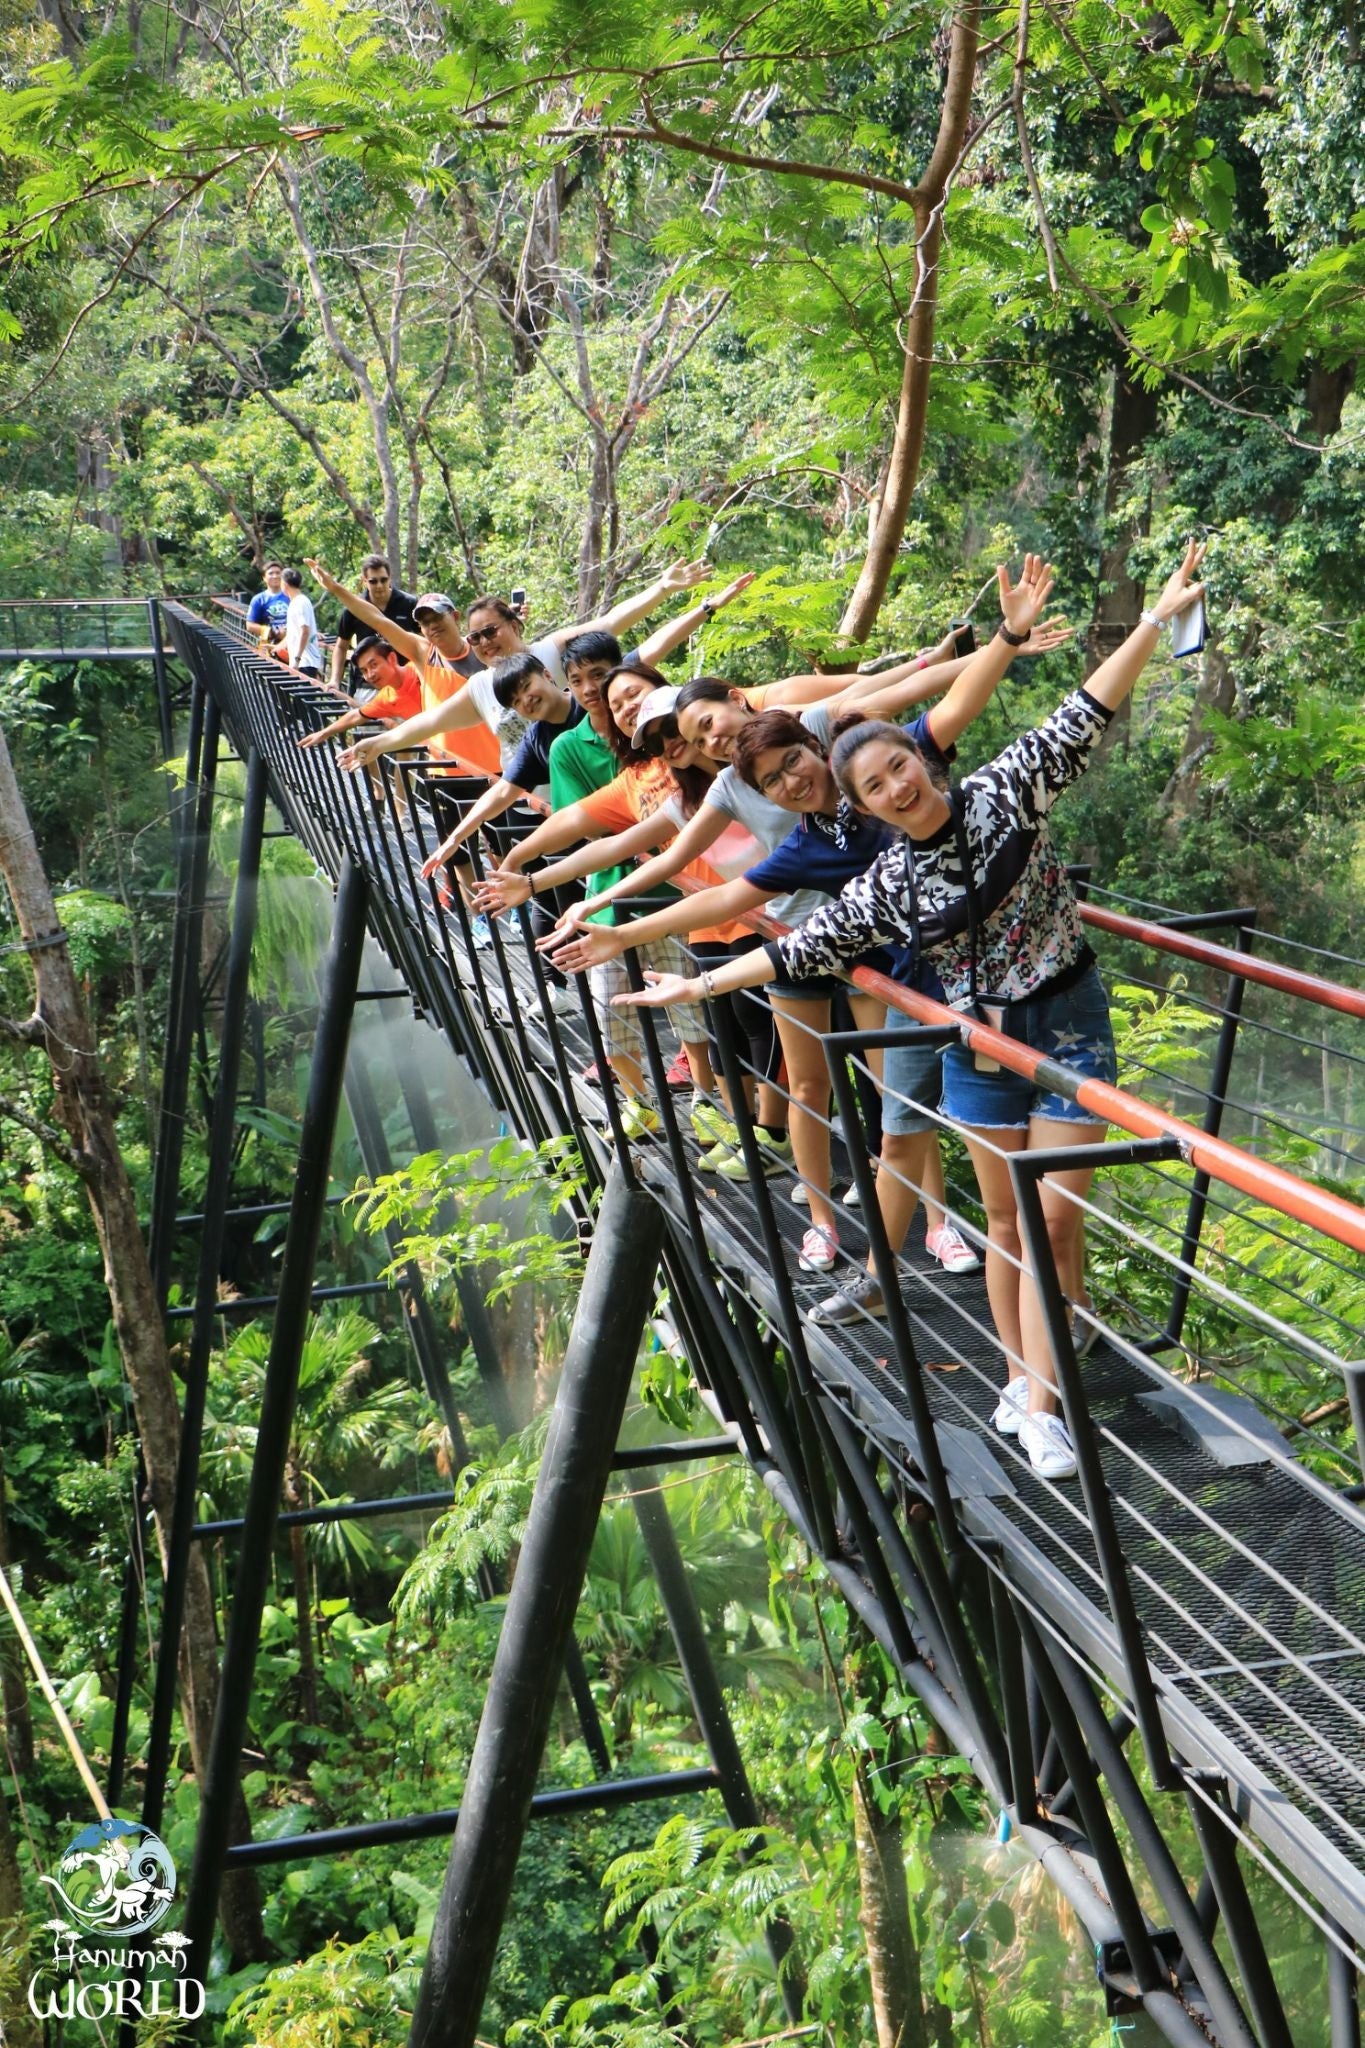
x=837 y=1047
x=1198 y=1204
x=1027 y=1170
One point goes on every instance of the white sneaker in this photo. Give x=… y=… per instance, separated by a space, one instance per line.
x=1012 y=1406
x=561 y=1002
x=801 y=1195
x=952 y=1250
x=1047 y=1441
x=851 y=1198
x=819 y=1250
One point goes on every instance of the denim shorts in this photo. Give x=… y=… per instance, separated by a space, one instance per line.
x=1072 y=1028
x=912 y=1082
x=821 y=988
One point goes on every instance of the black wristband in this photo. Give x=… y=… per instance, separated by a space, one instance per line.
x=1013 y=639
x=708 y=609
x=531 y=880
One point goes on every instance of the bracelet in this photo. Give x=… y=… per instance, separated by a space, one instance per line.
x=1013 y=639
x=708 y=993
x=923 y=661
x=531 y=881
x=1151 y=618
x=708 y=610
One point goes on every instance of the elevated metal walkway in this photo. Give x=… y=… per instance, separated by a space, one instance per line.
x=1203 y=1585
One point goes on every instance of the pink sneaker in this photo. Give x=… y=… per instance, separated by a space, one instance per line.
x=679 y=1074
x=951 y=1250
x=819 y=1250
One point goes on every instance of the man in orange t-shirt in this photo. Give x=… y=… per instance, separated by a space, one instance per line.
x=397 y=692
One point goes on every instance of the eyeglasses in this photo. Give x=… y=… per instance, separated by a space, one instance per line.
x=791 y=764
x=484 y=633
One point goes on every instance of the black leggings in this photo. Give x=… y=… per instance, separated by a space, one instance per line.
x=747 y=1009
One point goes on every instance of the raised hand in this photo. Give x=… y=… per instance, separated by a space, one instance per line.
x=1052 y=633
x=682 y=575
x=362 y=753
x=500 y=891
x=324 y=577
x=942 y=650
x=1179 y=591
x=436 y=860
x=659 y=991
x=594 y=945
x=571 y=921
x=732 y=590
x=1023 y=603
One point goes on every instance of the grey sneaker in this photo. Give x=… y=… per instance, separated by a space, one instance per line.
x=858 y=1298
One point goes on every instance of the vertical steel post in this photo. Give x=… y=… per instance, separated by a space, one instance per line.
x=1213 y=1122
x=1217 y=1832
x=163 y=690
x=708 y=1705
x=212 y=1230
x=1343 y=1990
x=292 y=1315
x=1027 y=1170
x=613 y=1309
x=191 y=886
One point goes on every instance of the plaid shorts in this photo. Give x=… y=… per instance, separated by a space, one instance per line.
x=621 y=1032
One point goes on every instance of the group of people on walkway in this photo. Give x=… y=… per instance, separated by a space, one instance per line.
x=825 y=803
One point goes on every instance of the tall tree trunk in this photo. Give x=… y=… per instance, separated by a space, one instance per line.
x=884 y=1916
x=1216 y=690
x=592 y=546
x=86 y=1138
x=912 y=414
x=18 y=2028
x=18 y=1712
x=1132 y=422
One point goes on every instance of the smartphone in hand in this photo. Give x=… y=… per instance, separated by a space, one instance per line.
x=964 y=637
x=1188 y=631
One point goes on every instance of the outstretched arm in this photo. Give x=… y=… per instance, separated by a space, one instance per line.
x=676 y=577
x=507 y=886
x=328 y=732
x=700 y=831
x=1114 y=678
x=453 y=715
x=662 y=641
x=495 y=800
x=747 y=970
x=589 y=947
x=411 y=646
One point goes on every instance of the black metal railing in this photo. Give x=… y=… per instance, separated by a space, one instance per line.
x=1205 y=1576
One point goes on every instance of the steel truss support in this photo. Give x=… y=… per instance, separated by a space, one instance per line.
x=712 y=1714
x=252 y=1577
x=613 y=1309
x=217 y=1188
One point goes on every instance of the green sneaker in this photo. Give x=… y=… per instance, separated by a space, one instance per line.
x=638 y=1119
x=711 y=1124
x=777 y=1156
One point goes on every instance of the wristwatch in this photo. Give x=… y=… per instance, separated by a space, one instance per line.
x=1013 y=639
x=708 y=610
x=1151 y=618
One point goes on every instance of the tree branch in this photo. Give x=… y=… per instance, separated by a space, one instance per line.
x=48 y=1135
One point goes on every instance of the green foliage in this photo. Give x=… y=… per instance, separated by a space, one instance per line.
x=441 y=1204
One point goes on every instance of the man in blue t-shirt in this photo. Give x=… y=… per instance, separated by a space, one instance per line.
x=269 y=608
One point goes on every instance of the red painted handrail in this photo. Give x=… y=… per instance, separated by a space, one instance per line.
x=1290 y=981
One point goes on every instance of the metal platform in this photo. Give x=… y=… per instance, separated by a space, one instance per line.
x=1243 y=1572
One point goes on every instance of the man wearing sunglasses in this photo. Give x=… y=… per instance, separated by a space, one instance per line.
x=383 y=593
